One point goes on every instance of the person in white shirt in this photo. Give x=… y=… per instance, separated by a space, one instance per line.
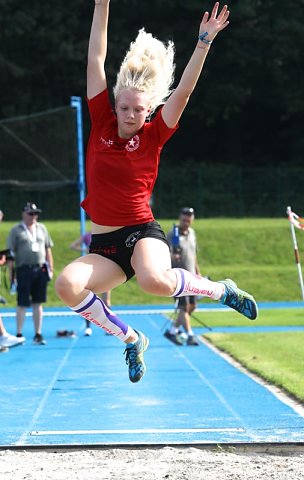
x=31 y=245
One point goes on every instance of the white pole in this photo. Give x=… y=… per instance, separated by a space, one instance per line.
x=296 y=251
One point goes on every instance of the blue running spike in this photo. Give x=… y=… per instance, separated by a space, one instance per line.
x=135 y=357
x=239 y=300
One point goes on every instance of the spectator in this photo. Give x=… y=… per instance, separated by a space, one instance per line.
x=106 y=296
x=6 y=339
x=183 y=249
x=31 y=245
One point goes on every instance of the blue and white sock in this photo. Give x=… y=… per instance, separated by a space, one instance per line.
x=189 y=284
x=93 y=309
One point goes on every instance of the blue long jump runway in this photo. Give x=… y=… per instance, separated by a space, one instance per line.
x=76 y=391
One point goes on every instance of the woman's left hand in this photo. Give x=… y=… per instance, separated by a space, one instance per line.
x=214 y=23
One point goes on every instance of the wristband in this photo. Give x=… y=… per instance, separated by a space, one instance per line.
x=202 y=38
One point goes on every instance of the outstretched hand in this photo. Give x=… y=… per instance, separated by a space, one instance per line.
x=214 y=23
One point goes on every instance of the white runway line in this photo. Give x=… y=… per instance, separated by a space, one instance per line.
x=22 y=439
x=142 y=311
x=134 y=431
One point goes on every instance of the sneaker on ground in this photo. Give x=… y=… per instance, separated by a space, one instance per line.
x=88 y=332
x=173 y=337
x=9 y=340
x=65 y=333
x=38 y=339
x=135 y=357
x=239 y=300
x=192 y=340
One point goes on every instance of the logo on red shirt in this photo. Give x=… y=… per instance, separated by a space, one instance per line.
x=133 y=144
x=108 y=143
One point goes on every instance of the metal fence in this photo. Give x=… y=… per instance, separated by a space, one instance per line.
x=228 y=191
x=212 y=191
x=38 y=163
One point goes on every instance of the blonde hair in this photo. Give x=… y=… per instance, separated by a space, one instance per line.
x=147 y=67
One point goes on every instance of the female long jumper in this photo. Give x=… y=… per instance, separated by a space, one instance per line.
x=122 y=164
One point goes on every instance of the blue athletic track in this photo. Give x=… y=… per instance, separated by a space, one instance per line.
x=75 y=391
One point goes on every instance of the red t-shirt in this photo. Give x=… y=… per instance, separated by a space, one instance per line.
x=121 y=173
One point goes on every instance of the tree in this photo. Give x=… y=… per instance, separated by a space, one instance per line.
x=251 y=94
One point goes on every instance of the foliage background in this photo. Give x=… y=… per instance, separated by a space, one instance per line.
x=246 y=111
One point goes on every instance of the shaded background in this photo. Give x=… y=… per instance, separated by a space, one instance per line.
x=239 y=151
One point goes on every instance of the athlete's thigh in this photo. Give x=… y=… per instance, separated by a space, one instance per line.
x=150 y=255
x=95 y=273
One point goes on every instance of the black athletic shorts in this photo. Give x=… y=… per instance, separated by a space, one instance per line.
x=119 y=245
x=32 y=283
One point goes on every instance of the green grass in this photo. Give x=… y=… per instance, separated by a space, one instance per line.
x=270 y=317
x=256 y=253
x=276 y=357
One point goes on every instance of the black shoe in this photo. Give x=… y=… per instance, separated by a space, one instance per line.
x=38 y=339
x=192 y=340
x=173 y=338
x=19 y=335
x=65 y=333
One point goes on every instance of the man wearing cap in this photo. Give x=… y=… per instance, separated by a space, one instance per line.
x=183 y=248
x=31 y=245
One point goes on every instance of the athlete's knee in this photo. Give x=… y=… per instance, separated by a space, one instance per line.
x=67 y=285
x=61 y=284
x=156 y=283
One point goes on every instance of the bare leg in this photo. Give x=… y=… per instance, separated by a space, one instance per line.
x=2 y=328
x=106 y=298
x=181 y=319
x=37 y=317
x=78 y=282
x=20 y=318
x=152 y=264
x=76 y=286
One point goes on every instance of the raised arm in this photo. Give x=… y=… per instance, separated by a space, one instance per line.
x=96 y=77
x=210 y=26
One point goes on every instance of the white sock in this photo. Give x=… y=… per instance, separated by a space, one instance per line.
x=92 y=308
x=173 y=330
x=190 y=284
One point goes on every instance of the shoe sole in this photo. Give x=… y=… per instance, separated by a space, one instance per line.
x=252 y=309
